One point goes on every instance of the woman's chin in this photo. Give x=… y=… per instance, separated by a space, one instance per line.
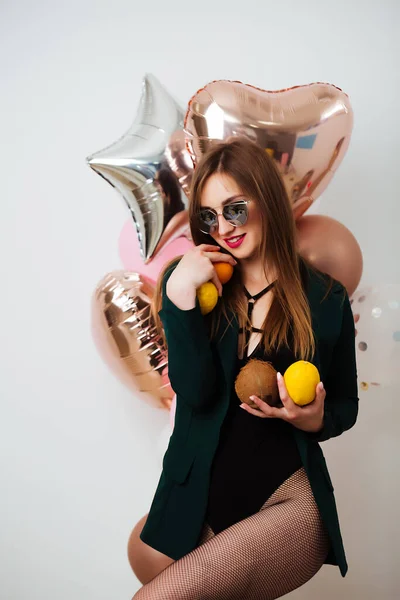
x=246 y=253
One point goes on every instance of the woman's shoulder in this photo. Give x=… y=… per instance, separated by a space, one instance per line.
x=169 y=267
x=166 y=273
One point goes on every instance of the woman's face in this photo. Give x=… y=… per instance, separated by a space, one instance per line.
x=221 y=188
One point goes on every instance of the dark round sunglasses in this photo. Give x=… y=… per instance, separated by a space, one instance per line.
x=236 y=213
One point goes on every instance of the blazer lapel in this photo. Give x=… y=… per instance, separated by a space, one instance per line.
x=227 y=348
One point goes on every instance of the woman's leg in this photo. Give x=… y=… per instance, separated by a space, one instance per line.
x=262 y=557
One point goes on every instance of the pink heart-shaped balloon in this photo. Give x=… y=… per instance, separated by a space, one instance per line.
x=306 y=129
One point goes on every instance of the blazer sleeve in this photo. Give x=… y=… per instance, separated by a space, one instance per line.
x=341 y=401
x=191 y=368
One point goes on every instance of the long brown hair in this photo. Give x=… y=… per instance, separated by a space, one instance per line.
x=288 y=321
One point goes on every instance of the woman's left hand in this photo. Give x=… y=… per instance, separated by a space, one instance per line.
x=307 y=418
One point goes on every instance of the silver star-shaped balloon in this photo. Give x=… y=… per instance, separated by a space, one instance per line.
x=138 y=165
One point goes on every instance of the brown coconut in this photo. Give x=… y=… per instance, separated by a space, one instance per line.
x=258 y=378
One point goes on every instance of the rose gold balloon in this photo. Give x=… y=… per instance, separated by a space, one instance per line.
x=146 y=562
x=306 y=129
x=179 y=160
x=126 y=338
x=331 y=248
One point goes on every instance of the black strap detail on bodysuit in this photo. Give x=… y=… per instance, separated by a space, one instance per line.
x=250 y=306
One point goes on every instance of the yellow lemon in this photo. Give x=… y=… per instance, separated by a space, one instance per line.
x=301 y=379
x=207 y=294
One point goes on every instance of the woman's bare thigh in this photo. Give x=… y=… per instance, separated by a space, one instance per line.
x=146 y=562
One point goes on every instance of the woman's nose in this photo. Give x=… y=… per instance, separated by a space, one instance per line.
x=224 y=227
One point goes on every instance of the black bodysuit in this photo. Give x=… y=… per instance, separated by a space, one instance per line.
x=254 y=455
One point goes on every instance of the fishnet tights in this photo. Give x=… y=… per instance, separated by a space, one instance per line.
x=262 y=557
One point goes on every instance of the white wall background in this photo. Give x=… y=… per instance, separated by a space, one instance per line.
x=80 y=455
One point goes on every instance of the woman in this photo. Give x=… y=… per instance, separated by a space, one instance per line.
x=244 y=507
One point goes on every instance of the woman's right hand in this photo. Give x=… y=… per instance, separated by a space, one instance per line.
x=194 y=269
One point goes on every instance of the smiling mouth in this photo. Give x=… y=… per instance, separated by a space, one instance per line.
x=235 y=241
x=235 y=238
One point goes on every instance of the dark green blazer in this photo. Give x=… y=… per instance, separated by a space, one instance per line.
x=202 y=375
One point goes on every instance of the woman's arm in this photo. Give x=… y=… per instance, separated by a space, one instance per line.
x=341 y=402
x=191 y=367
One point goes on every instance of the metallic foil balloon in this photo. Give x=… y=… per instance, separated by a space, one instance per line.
x=331 y=248
x=377 y=315
x=137 y=166
x=180 y=160
x=306 y=129
x=126 y=338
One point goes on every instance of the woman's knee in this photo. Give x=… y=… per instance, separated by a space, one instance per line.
x=146 y=562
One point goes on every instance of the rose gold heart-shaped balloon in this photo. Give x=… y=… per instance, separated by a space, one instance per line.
x=306 y=129
x=125 y=335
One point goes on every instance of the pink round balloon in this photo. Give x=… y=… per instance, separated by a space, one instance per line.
x=331 y=248
x=129 y=252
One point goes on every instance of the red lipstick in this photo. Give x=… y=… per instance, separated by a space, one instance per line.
x=238 y=241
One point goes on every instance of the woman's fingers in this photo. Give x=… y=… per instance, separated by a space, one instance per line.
x=220 y=257
x=208 y=247
x=268 y=411
x=254 y=411
x=283 y=393
x=216 y=281
x=320 y=392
